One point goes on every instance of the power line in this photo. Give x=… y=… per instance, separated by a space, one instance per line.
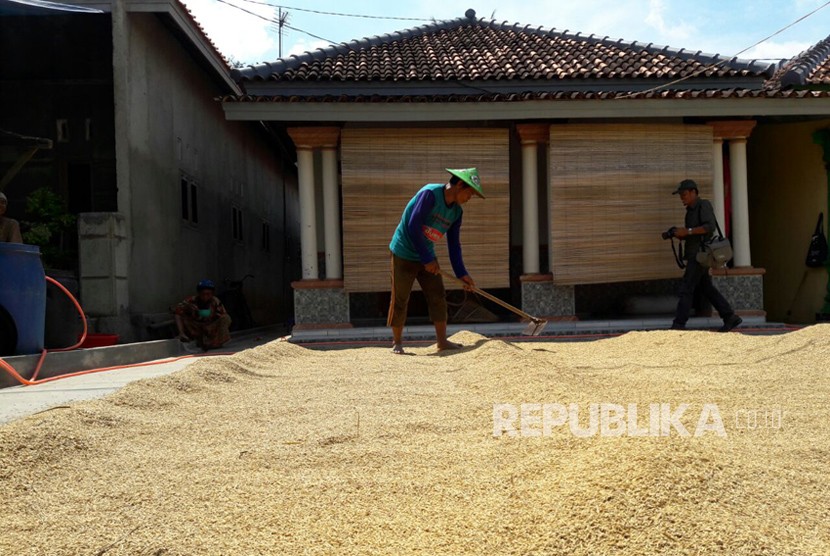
x=272 y=20
x=714 y=66
x=339 y=14
x=799 y=20
x=309 y=34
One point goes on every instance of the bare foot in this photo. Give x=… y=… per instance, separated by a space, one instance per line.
x=397 y=349
x=448 y=345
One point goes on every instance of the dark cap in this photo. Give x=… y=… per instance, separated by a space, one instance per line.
x=685 y=185
x=205 y=285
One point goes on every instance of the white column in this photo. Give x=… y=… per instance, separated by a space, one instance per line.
x=530 y=208
x=308 y=213
x=331 y=215
x=718 y=200
x=531 y=136
x=740 y=202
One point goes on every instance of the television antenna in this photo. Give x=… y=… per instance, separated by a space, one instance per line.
x=282 y=19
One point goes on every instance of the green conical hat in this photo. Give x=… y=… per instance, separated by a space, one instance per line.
x=470 y=177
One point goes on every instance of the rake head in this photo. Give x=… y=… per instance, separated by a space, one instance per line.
x=535 y=327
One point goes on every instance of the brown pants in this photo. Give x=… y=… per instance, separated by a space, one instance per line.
x=404 y=274
x=208 y=334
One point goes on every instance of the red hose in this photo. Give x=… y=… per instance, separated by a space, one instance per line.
x=9 y=369
x=80 y=312
x=32 y=381
x=80 y=341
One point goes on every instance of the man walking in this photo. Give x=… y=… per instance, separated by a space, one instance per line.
x=435 y=211
x=699 y=226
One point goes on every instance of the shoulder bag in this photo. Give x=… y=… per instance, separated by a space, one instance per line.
x=716 y=252
x=817 y=253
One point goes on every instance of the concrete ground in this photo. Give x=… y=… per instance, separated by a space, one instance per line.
x=21 y=401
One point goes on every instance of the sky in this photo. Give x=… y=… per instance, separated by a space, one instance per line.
x=713 y=26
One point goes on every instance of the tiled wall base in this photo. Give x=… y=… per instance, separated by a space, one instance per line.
x=541 y=298
x=742 y=288
x=318 y=304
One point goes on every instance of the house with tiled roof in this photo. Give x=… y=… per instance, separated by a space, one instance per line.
x=579 y=139
x=165 y=189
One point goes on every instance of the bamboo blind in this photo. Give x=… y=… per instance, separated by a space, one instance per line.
x=610 y=197
x=384 y=168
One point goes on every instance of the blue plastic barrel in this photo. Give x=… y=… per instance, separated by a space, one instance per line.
x=23 y=293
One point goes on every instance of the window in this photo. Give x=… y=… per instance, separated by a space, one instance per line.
x=185 y=199
x=236 y=215
x=194 y=203
x=266 y=237
x=189 y=191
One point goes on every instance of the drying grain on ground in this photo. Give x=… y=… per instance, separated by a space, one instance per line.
x=286 y=450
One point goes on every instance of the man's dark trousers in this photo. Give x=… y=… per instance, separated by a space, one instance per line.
x=698 y=276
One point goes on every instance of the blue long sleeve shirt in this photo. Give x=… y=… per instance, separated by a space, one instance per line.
x=426 y=219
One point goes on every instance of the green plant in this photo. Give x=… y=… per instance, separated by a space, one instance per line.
x=49 y=221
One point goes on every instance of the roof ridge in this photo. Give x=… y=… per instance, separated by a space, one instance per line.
x=734 y=62
x=296 y=60
x=797 y=70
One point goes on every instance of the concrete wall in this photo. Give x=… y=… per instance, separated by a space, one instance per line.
x=175 y=126
x=787 y=190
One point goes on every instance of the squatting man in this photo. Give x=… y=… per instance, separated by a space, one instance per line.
x=202 y=318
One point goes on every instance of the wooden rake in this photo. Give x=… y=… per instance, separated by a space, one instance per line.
x=534 y=327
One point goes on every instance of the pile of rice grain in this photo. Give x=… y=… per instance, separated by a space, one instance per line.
x=285 y=450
